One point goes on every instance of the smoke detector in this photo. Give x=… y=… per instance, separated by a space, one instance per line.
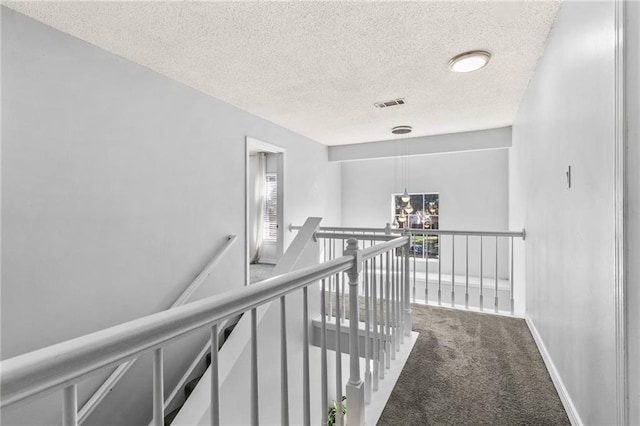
x=401 y=130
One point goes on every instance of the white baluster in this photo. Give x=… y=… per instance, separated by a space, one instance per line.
x=158 y=389
x=398 y=300
x=367 y=336
x=412 y=244
x=339 y=416
x=496 y=291
x=215 y=382
x=426 y=272
x=399 y=278
x=481 y=277
x=323 y=357
x=453 y=270
x=70 y=405
x=407 y=306
x=387 y=293
x=306 y=398
x=255 y=414
x=343 y=290
x=439 y=272
x=466 y=268
x=381 y=334
x=376 y=343
x=512 y=304
x=414 y=278
x=402 y=295
x=394 y=324
x=284 y=373
x=332 y=283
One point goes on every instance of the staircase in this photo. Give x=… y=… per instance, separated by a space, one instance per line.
x=270 y=346
x=198 y=373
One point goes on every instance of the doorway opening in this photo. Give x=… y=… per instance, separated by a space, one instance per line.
x=264 y=207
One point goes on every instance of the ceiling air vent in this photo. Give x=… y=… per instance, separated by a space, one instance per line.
x=401 y=130
x=399 y=101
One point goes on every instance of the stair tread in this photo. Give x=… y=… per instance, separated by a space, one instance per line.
x=190 y=386
x=168 y=419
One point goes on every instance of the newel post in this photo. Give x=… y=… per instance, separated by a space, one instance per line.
x=355 y=386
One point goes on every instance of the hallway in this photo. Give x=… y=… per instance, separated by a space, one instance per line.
x=470 y=368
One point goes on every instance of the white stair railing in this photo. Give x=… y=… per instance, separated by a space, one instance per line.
x=487 y=270
x=62 y=366
x=496 y=283
x=111 y=381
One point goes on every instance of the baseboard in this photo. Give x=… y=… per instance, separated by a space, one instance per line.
x=572 y=413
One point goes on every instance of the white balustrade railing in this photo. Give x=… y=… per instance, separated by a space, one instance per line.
x=387 y=316
x=438 y=259
x=474 y=267
x=113 y=379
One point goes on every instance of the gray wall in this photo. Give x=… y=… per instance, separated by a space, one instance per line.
x=473 y=192
x=472 y=186
x=118 y=185
x=632 y=223
x=424 y=145
x=567 y=118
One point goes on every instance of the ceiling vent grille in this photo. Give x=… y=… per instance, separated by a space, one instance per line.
x=399 y=101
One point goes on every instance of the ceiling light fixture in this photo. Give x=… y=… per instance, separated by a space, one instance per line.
x=401 y=130
x=405 y=198
x=469 y=61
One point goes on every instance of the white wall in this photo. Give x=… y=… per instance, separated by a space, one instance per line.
x=472 y=187
x=632 y=223
x=424 y=145
x=118 y=185
x=473 y=196
x=567 y=118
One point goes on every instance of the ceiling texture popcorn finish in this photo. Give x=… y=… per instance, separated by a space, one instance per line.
x=317 y=68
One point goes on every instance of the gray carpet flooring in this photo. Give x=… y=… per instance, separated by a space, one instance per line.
x=472 y=369
x=259 y=272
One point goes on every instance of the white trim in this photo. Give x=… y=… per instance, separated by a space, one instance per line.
x=571 y=410
x=622 y=390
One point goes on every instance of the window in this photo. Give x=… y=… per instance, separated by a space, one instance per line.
x=422 y=211
x=270 y=208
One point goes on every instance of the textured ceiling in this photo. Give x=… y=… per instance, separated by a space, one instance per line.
x=317 y=67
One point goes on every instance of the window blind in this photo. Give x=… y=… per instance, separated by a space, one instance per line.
x=270 y=210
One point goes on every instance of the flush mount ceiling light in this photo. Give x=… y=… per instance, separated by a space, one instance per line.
x=469 y=61
x=401 y=130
